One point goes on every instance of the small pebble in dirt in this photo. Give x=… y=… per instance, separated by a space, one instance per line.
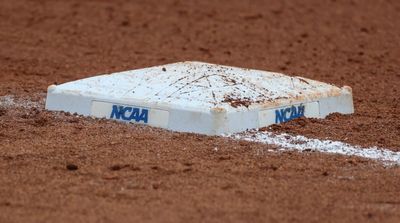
x=72 y=167
x=2 y=111
x=274 y=168
x=187 y=169
x=117 y=167
x=156 y=186
x=325 y=174
x=222 y=158
x=125 y=23
x=135 y=168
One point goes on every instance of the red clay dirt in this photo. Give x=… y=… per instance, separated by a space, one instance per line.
x=56 y=167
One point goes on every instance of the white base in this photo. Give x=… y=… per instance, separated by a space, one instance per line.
x=200 y=98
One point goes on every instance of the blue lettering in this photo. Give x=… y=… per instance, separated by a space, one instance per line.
x=279 y=116
x=287 y=111
x=135 y=115
x=129 y=114
x=301 y=111
x=294 y=113
x=124 y=115
x=116 y=112
x=144 y=116
x=287 y=114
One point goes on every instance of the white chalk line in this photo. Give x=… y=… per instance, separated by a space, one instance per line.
x=284 y=141
x=302 y=143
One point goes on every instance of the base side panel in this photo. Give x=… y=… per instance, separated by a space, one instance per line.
x=68 y=103
x=214 y=122
x=341 y=104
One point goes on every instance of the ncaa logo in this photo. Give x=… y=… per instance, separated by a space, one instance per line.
x=129 y=114
x=287 y=114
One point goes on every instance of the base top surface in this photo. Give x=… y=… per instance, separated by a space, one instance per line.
x=201 y=86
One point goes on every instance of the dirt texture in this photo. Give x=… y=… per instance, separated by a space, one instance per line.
x=57 y=167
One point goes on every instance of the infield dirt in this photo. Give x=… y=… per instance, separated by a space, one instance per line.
x=57 y=167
